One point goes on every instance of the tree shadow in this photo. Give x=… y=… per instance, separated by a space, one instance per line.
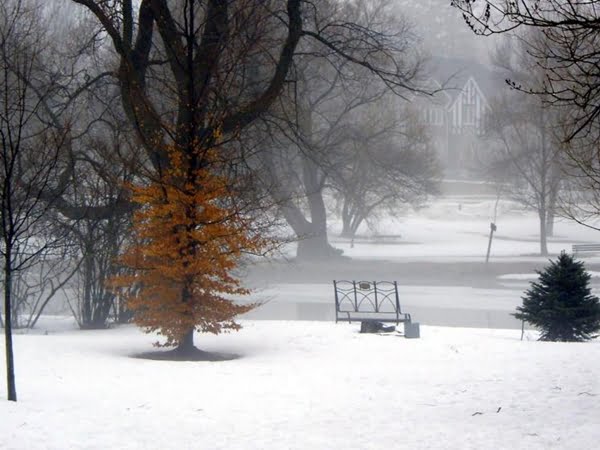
x=189 y=355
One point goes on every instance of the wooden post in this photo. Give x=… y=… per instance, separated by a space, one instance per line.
x=492 y=229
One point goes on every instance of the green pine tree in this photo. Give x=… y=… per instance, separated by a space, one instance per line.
x=560 y=303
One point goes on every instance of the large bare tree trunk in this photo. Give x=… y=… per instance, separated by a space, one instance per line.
x=316 y=248
x=313 y=243
x=311 y=234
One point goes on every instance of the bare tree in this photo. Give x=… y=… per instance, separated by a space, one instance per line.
x=310 y=129
x=30 y=157
x=527 y=157
x=387 y=163
x=111 y=161
x=205 y=49
x=528 y=151
x=90 y=297
x=34 y=287
x=73 y=99
x=567 y=54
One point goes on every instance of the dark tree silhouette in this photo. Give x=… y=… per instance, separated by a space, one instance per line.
x=30 y=159
x=560 y=303
x=568 y=52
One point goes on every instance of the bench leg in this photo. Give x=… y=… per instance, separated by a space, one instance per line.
x=412 y=330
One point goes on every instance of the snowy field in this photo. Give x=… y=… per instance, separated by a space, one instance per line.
x=305 y=385
x=319 y=385
x=456 y=228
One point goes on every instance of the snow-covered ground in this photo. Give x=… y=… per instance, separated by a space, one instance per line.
x=320 y=385
x=305 y=385
x=457 y=228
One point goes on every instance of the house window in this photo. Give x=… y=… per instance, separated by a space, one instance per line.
x=468 y=114
x=468 y=105
x=435 y=116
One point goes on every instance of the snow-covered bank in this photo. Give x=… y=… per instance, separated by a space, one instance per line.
x=432 y=305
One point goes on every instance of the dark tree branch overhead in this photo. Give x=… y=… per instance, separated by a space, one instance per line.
x=261 y=104
x=568 y=52
x=107 y=22
x=171 y=38
x=568 y=55
x=211 y=92
x=213 y=41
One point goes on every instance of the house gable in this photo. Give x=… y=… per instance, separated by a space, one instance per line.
x=467 y=110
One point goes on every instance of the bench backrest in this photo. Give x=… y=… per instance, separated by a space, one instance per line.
x=586 y=246
x=367 y=296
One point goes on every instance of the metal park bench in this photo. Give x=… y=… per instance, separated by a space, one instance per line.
x=371 y=302
x=581 y=248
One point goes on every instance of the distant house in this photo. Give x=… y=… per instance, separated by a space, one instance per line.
x=456 y=113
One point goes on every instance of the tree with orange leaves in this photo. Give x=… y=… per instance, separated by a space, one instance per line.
x=188 y=237
x=186 y=69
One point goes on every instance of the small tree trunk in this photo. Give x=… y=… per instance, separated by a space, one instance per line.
x=543 y=234
x=346 y=229
x=186 y=345
x=16 y=301
x=350 y=220
x=10 y=362
x=86 y=307
x=550 y=223
x=124 y=315
x=346 y=220
x=356 y=223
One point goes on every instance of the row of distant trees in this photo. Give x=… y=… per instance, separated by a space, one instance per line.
x=525 y=138
x=545 y=127
x=529 y=154
x=60 y=139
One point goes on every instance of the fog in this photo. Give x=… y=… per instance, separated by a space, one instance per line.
x=444 y=32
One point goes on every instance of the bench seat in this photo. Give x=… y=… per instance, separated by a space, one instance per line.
x=363 y=316
x=581 y=248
